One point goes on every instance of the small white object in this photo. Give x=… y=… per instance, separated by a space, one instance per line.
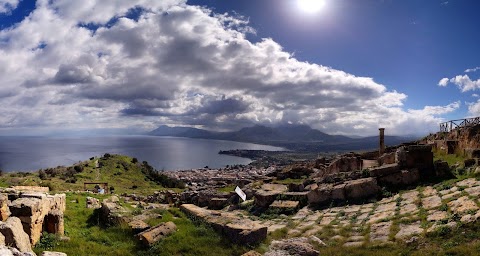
x=241 y=193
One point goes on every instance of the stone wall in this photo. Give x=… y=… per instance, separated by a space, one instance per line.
x=37 y=211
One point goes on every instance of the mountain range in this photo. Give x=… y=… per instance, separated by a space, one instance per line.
x=292 y=137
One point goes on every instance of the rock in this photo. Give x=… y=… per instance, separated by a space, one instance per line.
x=384 y=170
x=14 y=234
x=293 y=246
x=268 y=193
x=138 y=226
x=284 y=206
x=237 y=229
x=431 y=202
x=217 y=203
x=437 y=216
x=361 y=188
x=462 y=205
x=442 y=169
x=155 y=234
x=93 y=203
x=346 y=163
x=252 y=253
x=48 y=253
x=33 y=207
x=4 y=210
x=113 y=213
x=317 y=241
x=320 y=195
x=379 y=232
x=407 y=230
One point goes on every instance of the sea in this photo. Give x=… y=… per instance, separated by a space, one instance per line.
x=25 y=154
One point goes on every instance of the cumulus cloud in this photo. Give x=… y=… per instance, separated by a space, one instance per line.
x=8 y=5
x=93 y=64
x=464 y=82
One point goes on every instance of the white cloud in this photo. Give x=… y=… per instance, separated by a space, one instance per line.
x=472 y=70
x=465 y=83
x=178 y=64
x=443 y=82
x=474 y=108
x=8 y=5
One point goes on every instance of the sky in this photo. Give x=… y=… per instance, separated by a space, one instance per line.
x=341 y=66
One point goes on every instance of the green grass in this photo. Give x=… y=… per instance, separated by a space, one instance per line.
x=119 y=171
x=451 y=159
x=227 y=189
x=289 y=181
x=88 y=237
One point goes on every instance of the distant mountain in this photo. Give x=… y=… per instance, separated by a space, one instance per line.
x=294 y=137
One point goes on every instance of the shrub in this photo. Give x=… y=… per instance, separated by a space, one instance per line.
x=78 y=168
x=47 y=241
x=134 y=160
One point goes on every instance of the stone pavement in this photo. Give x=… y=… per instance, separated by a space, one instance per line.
x=410 y=213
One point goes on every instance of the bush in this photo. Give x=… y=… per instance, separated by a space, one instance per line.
x=42 y=175
x=134 y=160
x=47 y=241
x=161 y=178
x=78 y=168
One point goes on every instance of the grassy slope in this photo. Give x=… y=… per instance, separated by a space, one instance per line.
x=118 y=171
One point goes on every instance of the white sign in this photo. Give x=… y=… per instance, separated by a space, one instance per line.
x=241 y=193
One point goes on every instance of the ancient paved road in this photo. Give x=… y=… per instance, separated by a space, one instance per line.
x=400 y=217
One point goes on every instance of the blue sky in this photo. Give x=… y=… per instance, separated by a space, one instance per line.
x=350 y=67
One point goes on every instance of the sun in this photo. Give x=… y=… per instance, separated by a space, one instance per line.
x=311 y=6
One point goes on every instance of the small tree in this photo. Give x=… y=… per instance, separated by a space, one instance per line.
x=134 y=160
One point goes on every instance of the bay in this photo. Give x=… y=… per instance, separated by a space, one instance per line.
x=164 y=153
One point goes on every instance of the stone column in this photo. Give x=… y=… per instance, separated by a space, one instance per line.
x=382 y=141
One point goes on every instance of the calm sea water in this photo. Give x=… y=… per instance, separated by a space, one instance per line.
x=168 y=153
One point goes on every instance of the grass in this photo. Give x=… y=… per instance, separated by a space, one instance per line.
x=227 y=189
x=88 y=236
x=119 y=171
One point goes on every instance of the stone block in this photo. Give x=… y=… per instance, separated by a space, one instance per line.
x=384 y=170
x=155 y=234
x=361 y=188
x=14 y=234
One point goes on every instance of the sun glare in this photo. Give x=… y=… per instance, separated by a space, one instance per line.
x=311 y=6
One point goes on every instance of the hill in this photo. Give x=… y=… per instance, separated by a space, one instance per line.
x=292 y=137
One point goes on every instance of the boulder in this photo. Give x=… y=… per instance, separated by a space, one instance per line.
x=361 y=188
x=155 y=234
x=14 y=234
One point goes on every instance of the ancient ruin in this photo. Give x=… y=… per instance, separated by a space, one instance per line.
x=26 y=212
